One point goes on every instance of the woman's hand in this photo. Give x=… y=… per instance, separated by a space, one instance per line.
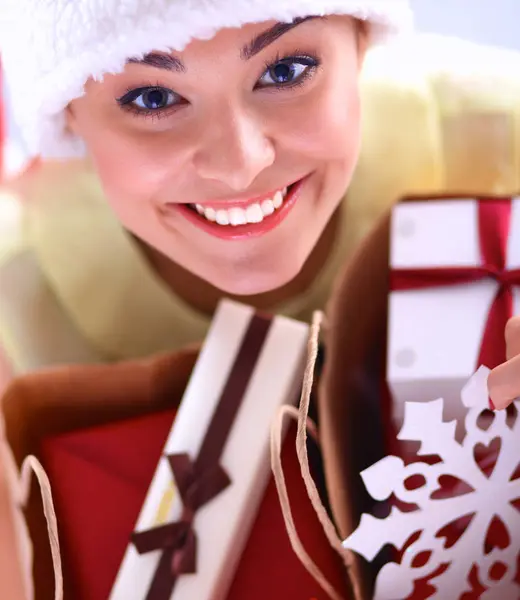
x=504 y=381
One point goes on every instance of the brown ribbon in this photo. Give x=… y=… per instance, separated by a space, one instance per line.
x=202 y=479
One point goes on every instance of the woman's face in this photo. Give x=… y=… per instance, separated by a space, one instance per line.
x=231 y=156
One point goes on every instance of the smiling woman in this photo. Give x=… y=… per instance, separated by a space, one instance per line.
x=258 y=126
x=223 y=137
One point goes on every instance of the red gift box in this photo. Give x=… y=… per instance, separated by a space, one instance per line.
x=100 y=478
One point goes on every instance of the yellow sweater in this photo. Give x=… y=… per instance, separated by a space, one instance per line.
x=439 y=116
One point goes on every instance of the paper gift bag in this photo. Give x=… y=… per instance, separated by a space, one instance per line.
x=68 y=400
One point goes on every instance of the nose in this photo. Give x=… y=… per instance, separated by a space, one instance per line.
x=234 y=150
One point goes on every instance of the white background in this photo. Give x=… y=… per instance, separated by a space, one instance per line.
x=494 y=22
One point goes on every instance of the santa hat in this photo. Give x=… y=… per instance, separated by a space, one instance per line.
x=50 y=48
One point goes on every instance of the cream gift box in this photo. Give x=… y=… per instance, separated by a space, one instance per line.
x=189 y=535
x=435 y=332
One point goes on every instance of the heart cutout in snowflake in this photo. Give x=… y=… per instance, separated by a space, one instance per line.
x=486 y=455
x=453 y=531
x=516 y=473
x=450 y=487
x=497 y=536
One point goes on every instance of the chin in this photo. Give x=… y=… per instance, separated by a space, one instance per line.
x=254 y=283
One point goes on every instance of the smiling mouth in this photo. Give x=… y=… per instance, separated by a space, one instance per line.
x=242 y=220
x=246 y=214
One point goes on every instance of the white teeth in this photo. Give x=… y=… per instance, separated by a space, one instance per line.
x=210 y=214
x=254 y=213
x=222 y=217
x=237 y=216
x=267 y=207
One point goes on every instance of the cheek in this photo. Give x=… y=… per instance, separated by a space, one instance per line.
x=129 y=168
x=326 y=125
x=343 y=122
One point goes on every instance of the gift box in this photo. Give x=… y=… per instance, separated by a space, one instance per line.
x=215 y=465
x=120 y=459
x=90 y=426
x=455 y=281
x=427 y=494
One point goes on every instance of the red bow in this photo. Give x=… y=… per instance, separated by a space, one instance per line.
x=494 y=219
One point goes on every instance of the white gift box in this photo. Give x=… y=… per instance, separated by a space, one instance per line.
x=265 y=358
x=435 y=333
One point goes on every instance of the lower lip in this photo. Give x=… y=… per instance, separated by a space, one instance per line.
x=249 y=230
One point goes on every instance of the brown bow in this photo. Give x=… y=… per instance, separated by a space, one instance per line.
x=197 y=486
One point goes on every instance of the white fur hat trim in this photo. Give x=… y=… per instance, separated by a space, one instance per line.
x=50 y=48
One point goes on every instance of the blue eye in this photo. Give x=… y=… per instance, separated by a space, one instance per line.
x=288 y=71
x=155 y=99
x=149 y=99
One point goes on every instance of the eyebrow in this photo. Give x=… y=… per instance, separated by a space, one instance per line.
x=266 y=38
x=169 y=62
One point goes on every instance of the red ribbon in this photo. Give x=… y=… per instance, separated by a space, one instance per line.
x=494 y=221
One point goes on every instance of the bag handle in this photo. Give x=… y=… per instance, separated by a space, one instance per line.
x=31 y=465
x=305 y=425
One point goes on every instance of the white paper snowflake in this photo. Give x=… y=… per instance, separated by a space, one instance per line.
x=491 y=497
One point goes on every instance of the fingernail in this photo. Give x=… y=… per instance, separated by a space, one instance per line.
x=504 y=383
